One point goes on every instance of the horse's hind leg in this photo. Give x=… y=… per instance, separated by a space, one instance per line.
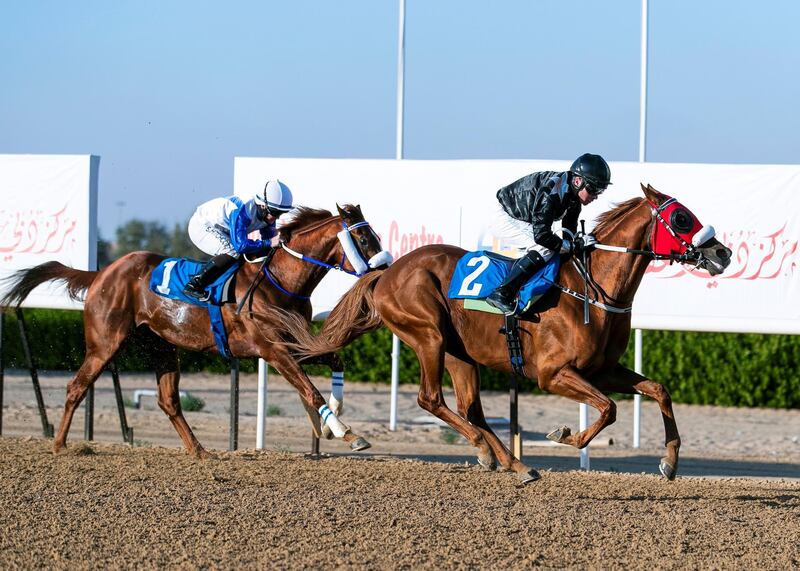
x=425 y=338
x=466 y=382
x=164 y=359
x=88 y=373
x=104 y=336
x=623 y=380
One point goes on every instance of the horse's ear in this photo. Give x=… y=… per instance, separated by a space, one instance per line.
x=652 y=194
x=339 y=209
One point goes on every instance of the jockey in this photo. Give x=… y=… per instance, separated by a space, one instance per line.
x=220 y=227
x=526 y=212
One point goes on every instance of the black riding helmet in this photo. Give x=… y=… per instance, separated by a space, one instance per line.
x=594 y=170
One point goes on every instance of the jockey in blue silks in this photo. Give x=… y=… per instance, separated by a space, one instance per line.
x=220 y=228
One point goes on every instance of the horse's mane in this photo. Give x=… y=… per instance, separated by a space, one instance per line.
x=607 y=219
x=301 y=217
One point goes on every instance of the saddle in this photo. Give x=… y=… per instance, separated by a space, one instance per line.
x=479 y=273
x=171 y=276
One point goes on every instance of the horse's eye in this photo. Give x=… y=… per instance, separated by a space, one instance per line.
x=681 y=220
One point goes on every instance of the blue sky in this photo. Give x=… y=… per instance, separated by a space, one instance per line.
x=167 y=92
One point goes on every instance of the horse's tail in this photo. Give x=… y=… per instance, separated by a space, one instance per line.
x=23 y=282
x=354 y=315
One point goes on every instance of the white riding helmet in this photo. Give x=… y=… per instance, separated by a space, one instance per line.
x=275 y=196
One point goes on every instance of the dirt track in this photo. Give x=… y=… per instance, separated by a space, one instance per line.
x=110 y=506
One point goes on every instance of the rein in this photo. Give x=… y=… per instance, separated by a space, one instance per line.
x=691 y=255
x=316 y=262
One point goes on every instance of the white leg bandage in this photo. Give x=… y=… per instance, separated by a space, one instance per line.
x=330 y=420
x=337 y=391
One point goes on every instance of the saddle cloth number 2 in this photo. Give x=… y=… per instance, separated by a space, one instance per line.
x=468 y=285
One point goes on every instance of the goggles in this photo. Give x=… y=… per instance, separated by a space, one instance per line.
x=273 y=211
x=594 y=190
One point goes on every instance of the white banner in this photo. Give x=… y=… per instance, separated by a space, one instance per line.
x=48 y=211
x=412 y=203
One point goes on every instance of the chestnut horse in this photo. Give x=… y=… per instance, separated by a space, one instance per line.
x=118 y=302
x=567 y=357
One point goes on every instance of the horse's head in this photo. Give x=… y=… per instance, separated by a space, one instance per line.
x=345 y=242
x=678 y=234
x=362 y=247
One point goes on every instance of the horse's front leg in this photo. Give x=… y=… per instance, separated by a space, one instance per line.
x=571 y=384
x=336 y=400
x=623 y=380
x=319 y=413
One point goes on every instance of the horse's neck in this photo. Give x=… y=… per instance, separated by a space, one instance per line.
x=302 y=276
x=618 y=274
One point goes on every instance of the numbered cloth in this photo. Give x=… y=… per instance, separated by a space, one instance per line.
x=170 y=277
x=478 y=274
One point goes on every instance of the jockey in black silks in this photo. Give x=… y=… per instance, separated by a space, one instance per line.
x=528 y=209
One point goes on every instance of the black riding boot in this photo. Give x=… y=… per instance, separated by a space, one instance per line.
x=214 y=268
x=504 y=297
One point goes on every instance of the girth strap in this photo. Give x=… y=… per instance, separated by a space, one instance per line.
x=511 y=331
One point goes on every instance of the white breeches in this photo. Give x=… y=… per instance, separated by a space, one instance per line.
x=515 y=234
x=211 y=239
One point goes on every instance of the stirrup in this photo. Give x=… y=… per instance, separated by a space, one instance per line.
x=509 y=308
x=199 y=295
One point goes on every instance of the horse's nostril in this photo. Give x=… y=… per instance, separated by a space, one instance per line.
x=723 y=253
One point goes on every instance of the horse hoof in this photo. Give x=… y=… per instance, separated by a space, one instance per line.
x=487 y=462
x=667 y=470
x=203 y=454
x=359 y=444
x=560 y=434
x=528 y=477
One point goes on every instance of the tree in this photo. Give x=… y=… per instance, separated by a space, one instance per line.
x=137 y=235
x=152 y=236
x=105 y=252
x=182 y=247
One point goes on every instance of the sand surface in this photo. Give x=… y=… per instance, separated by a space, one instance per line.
x=416 y=499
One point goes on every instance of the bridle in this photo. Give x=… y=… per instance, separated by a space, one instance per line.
x=689 y=240
x=351 y=252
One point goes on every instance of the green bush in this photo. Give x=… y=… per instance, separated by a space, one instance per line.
x=191 y=403
x=702 y=368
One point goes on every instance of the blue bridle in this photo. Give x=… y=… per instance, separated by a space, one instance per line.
x=309 y=259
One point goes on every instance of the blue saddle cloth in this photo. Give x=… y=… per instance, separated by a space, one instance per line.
x=171 y=276
x=478 y=274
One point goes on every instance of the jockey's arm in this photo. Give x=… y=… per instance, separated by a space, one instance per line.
x=270 y=236
x=570 y=220
x=238 y=223
x=542 y=219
